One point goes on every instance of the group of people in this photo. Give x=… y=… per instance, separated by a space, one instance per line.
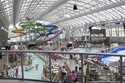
x=11 y=71
x=73 y=76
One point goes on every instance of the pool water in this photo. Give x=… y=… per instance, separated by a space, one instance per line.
x=91 y=50
x=33 y=73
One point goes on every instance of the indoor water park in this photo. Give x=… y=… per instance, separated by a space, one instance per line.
x=62 y=41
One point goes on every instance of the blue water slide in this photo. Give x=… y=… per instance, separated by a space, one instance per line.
x=51 y=26
x=52 y=29
x=109 y=59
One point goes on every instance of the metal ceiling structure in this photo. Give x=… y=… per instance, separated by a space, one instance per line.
x=61 y=12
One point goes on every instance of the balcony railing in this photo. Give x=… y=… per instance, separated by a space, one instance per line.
x=57 y=66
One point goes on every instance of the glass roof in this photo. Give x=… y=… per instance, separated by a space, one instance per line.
x=58 y=10
x=61 y=12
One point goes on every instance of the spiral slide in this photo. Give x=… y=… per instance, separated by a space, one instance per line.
x=109 y=59
x=55 y=35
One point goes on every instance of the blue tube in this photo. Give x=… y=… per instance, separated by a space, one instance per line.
x=106 y=59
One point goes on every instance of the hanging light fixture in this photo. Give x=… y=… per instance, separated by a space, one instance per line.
x=103 y=24
x=75 y=7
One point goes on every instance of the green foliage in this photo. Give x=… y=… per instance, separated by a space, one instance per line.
x=33 y=27
x=28 y=25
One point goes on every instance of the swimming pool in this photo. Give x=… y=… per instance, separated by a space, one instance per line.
x=33 y=73
x=91 y=50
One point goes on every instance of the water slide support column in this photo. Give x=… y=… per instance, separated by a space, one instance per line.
x=81 y=56
x=22 y=57
x=50 y=73
x=121 y=70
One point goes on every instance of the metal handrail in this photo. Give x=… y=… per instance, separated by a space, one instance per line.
x=62 y=52
x=28 y=80
x=48 y=53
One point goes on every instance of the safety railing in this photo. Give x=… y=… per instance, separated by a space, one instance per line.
x=105 y=82
x=56 y=66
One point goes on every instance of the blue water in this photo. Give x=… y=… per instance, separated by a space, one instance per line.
x=90 y=50
x=33 y=73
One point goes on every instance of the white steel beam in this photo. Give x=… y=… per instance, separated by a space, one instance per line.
x=106 y=22
x=113 y=5
x=3 y=17
x=51 y=8
x=16 y=4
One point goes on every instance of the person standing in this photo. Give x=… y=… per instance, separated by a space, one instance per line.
x=36 y=66
x=13 y=72
x=74 y=76
x=64 y=73
x=79 y=75
x=16 y=73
